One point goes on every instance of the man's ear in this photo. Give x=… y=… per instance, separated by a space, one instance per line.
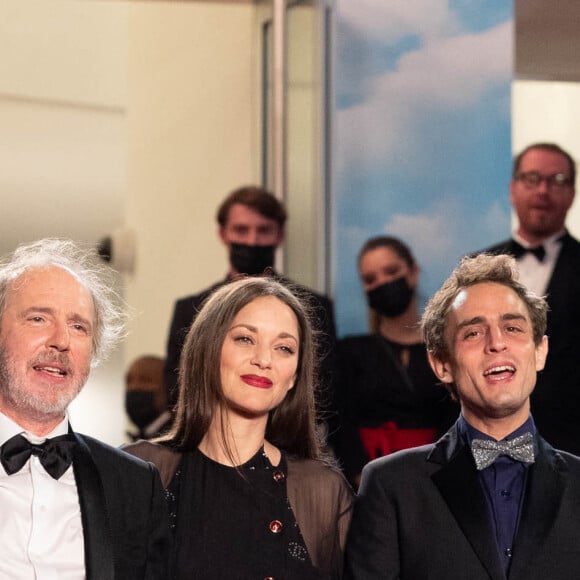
x=541 y=353
x=442 y=369
x=512 y=187
x=281 y=236
x=222 y=234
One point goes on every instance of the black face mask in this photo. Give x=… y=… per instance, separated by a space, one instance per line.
x=251 y=260
x=391 y=299
x=140 y=407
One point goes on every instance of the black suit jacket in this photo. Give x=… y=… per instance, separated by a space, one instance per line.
x=123 y=512
x=556 y=398
x=421 y=514
x=186 y=310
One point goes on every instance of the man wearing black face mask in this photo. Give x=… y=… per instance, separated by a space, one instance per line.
x=251 y=224
x=145 y=398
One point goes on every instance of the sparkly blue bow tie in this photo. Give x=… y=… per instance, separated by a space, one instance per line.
x=486 y=451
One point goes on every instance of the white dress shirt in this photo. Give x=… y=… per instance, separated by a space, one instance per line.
x=40 y=522
x=534 y=274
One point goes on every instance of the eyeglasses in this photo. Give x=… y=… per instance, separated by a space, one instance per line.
x=532 y=179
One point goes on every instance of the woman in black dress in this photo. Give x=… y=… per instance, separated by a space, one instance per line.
x=386 y=396
x=249 y=493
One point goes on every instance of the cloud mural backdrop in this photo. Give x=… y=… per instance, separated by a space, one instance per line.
x=422 y=135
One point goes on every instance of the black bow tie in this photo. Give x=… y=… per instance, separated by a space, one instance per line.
x=517 y=250
x=486 y=451
x=55 y=454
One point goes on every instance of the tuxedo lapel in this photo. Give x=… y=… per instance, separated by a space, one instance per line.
x=565 y=265
x=458 y=484
x=543 y=496
x=97 y=534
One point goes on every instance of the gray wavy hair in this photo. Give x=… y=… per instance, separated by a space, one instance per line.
x=84 y=264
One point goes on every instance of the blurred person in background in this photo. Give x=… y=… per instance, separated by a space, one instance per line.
x=386 y=397
x=145 y=397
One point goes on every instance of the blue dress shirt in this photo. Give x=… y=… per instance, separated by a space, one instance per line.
x=503 y=484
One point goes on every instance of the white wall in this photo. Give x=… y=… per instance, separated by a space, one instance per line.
x=62 y=118
x=193 y=127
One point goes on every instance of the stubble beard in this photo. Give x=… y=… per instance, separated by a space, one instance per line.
x=18 y=397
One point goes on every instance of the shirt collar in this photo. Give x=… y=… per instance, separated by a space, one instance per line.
x=469 y=432
x=550 y=242
x=9 y=428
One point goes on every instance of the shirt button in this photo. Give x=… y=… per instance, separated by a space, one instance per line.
x=278 y=475
x=275 y=526
x=505 y=493
x=508 y=552
x=269 y=578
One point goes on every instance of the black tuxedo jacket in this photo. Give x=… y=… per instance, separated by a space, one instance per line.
x=421 y=514
x=123 y=512
x=186 y=310
x=556 y=398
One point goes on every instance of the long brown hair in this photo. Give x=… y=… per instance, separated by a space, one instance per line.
x=291 y=426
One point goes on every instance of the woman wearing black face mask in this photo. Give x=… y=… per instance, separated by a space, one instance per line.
x=386 y=396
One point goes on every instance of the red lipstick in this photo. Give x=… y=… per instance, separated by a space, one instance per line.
x=257 y=381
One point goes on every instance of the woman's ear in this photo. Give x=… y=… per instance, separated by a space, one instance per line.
x=414 y=276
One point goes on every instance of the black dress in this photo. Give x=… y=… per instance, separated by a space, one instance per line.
x=235 y=523
x=373 y=388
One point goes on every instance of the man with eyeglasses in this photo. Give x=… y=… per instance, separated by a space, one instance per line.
x=542 y=191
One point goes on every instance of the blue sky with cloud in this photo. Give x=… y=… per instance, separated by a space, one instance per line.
x=422 y=134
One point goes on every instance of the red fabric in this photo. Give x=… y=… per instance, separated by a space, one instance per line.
x=387 y=438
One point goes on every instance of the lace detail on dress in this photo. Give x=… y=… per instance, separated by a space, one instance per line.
x=297 y=551
x=171 y=495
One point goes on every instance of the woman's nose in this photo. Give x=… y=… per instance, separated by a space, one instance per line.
x=262 y=358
